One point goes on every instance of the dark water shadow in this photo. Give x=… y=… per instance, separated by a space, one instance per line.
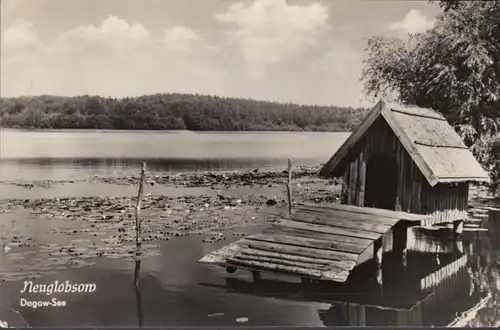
x=431 y=290
x=138 y=295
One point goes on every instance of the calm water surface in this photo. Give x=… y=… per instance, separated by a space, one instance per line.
x=444 y=282
x=57 y=155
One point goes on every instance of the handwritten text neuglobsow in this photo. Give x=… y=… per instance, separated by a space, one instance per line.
x=57 y=287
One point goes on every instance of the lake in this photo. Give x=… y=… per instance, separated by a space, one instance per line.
x=446 y=283
x=59 y=155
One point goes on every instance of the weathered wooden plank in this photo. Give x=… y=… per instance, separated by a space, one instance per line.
x=359 y=217
x=361 y=179
x=400 y=187
x=409 y=179
x=330 y=229
x=283 y=262
x=331 y=263
x=277 y=229
x=254 y=265
x=345 y=182
x=348 y=259
x=353 y=178
x=335 y=216
x=220 y=256
x=308 y=242
x=418 y=193
x=370 y=210
x=340 y=223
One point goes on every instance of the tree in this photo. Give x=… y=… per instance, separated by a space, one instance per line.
x=171 y=112
x=454 y=67
x=448 y=4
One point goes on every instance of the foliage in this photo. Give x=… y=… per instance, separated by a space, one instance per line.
x=448 y=4
x=495 y=164
x=454 y=67
x=173 y=112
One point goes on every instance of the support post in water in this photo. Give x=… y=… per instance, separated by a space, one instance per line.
x=289 y=187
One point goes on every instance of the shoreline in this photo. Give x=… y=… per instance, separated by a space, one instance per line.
x=212 y=179
x=179 y=130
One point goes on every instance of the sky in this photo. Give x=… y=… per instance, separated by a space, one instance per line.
x=300 y=51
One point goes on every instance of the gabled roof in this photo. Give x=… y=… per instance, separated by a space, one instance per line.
x=434 y=146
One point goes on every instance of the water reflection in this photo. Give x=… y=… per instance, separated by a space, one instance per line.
x=138 y=295
x=31 y=155
x=83 y=168
x=445 y=281
x=442 y=283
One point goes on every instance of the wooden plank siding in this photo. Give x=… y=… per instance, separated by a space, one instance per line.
x=443 y=202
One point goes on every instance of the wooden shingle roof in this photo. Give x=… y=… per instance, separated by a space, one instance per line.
x=434 y=146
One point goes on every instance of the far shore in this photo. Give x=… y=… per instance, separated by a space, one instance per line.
x=248 y=131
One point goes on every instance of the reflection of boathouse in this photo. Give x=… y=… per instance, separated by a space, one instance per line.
x=399 y=160
x=431 y=297
x=431 y=290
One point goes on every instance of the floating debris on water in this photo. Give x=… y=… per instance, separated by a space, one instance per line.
x=86 y=229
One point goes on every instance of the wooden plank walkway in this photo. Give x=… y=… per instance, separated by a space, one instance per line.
x=320 y=241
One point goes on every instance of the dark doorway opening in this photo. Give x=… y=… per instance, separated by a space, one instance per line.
x=381 y=182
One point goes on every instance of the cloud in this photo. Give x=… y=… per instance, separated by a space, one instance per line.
x=114 y=58
x=180 y=38
x=112 y=33
x=340 y=59
x=268 y=31
x=413 y=22
x=20 y=42
x=266 y=50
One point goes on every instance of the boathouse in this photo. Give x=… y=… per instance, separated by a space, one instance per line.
x=403 y=166
x=406 y=159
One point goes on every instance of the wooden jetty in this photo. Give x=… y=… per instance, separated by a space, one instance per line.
x=319 y=242
x=403 y=166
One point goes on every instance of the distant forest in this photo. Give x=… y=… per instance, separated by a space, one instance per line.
x=173 y=112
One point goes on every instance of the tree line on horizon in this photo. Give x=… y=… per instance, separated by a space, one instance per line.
x=173 y=112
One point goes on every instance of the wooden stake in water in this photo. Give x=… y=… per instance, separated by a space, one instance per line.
x=138 y=227
x=138 y=207
x=289 y=186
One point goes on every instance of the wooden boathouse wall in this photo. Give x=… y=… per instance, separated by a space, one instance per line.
x=443 y=202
